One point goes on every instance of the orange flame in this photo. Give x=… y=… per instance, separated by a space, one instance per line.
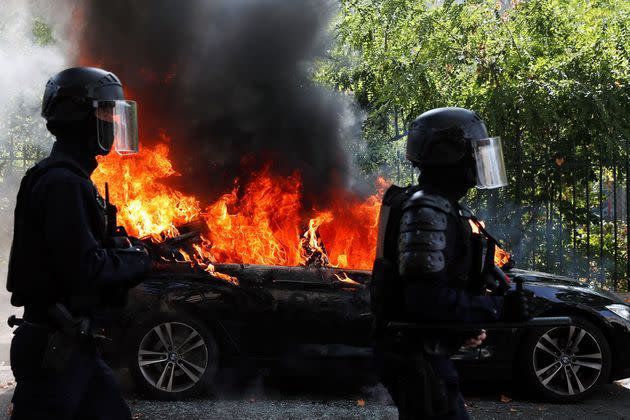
x=201 y=258
x=312 y=247
x=261 y=226
x=255 y=224
x=346 y=279
x=146 y=207
x=501 y=257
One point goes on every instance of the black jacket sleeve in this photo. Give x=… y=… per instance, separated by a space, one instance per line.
x=428 y=297
x=66 y=208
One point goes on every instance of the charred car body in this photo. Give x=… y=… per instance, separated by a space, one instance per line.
x=181 y=326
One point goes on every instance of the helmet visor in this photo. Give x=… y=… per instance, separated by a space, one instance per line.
x=117 y=126
x=488 y=154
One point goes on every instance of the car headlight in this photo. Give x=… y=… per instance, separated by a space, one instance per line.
x=620 y=310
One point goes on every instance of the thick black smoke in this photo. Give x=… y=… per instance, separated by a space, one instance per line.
x=228 y=81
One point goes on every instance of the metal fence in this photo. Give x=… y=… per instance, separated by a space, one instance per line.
x=560 y=215
x=574 y=222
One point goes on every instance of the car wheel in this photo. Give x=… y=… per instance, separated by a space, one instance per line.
x=566 y=364
x=172 y=358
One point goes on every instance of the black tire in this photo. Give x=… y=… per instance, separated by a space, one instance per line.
x=168 y=372
x=573 y=373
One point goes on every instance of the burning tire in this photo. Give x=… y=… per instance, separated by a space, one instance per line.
x=566 y=364
x=172 y=358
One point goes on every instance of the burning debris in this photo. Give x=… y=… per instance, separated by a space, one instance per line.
x=312 y=249
x=203 y=259
x=345 y=279
x=502 y=258
x=171 y=246
x=256 y=224
x=259 y=225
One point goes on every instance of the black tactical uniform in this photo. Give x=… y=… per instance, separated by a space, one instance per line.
x=430 y=267
x=59 y=256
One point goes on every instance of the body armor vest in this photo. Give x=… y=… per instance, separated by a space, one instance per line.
x=412 y=242
x=29 y=279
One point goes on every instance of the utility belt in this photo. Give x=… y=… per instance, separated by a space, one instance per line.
x=66 y=334
x=36 y=314
x=414 y=341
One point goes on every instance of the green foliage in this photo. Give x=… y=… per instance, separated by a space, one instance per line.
x=551 y=77
x=42 y=33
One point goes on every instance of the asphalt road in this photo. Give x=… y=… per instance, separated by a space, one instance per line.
x=612 y=403
x=301 y=400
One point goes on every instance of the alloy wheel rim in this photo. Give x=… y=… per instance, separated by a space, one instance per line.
x=172 y=356
x=567 y=360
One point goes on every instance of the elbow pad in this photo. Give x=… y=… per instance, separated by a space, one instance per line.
x=422 y=237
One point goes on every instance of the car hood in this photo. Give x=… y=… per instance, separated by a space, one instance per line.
x=565 y=283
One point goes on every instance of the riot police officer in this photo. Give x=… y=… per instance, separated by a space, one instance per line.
x=62 y=269
x=429 y=265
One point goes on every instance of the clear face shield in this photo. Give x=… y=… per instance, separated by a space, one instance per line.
x=488 y=155
x=117 y=126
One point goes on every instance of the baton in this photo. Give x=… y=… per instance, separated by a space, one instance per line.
x=547 y=321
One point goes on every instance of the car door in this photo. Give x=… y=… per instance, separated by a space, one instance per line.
x=314 y=307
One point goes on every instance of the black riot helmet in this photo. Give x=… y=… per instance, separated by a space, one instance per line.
x=456 y=139
x=90 y=102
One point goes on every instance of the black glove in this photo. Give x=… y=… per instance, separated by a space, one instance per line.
x=141 y=255
x=137 y=242
x=120 y=242
x=516 y=305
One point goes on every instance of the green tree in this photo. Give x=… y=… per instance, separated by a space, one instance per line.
x=42 y=33
x=549 y=76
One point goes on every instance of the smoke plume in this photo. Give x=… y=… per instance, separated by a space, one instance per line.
x=228 y=81
x=27 y=60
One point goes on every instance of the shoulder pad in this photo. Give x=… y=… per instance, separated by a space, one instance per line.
x=47 y=165
x=422 y=237
x=421 y=199
x=66 y=164
x=430 y=212
x=393 y=195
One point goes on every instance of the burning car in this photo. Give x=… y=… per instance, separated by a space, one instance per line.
x=256 y=277
x=180 y=328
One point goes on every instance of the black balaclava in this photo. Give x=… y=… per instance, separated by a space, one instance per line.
x=450 y=181
x=77 y=140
